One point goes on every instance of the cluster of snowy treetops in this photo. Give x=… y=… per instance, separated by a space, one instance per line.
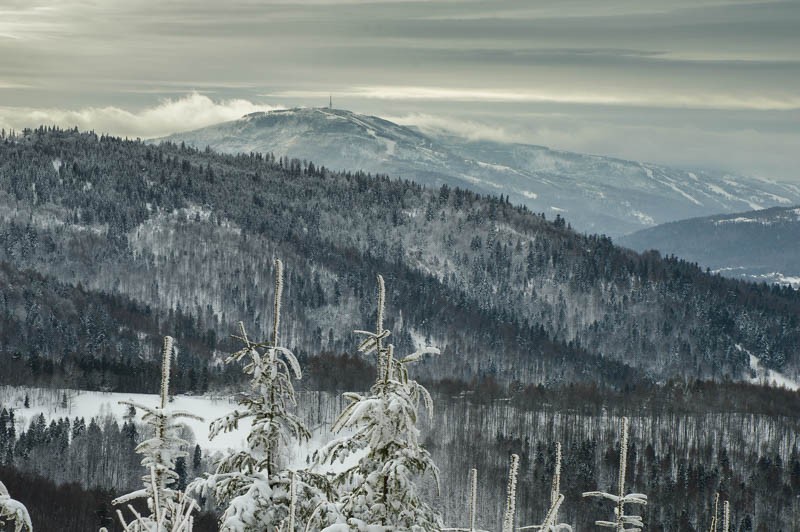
x=376 y=492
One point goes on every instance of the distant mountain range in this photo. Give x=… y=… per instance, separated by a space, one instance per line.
x=595 y=194
x=755 y=245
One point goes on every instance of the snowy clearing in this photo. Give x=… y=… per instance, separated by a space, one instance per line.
x=766 y=376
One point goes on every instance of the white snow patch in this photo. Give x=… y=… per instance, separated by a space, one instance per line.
x=682 y=193
x=642 y=217
x=477 y=181
x=778 y=278
x=738 y=220
x=768 y=376
x=496 y=167
x=529 y=194
x=776 y=198
x=391 y=147
x=721 y=192
x=87 y=404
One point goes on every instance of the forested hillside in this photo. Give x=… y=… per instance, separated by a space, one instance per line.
x=504 y=292
x=687 y=442
x=547 y=335
x=754 y=245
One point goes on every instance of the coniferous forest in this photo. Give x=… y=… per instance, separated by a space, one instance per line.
x=503 y=367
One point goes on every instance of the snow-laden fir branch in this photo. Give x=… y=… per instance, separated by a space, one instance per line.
x=550 y=523
x=380 y=490
x=374 y=340
x=511 y=497
x=13 y=510
x=253 y=486
x=621 y=521
x=170 y=510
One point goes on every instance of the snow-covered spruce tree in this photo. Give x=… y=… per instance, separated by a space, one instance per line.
x=13 y=510
x=621 y=521
x=473 y=505
x=170 y=510
x=253 y=486
x=380 y=491
x=550 y=523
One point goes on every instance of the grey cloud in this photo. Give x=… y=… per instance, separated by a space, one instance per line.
x=634 y=78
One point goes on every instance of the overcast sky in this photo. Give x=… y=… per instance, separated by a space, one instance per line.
x=707 y=83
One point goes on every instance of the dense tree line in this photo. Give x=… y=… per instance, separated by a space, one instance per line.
x=67 y=471
x=681 y=452
x=58 y=335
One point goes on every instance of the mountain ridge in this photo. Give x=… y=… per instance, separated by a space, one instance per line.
x=755 y=245
x=595 y=193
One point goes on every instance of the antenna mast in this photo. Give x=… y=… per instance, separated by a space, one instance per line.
x=330 y=101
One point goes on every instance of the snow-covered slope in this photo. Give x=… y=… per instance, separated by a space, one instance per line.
x=57 y=403
x=756 y=245
x=595 y=194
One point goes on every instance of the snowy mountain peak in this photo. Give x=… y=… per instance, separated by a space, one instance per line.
x=595 y=193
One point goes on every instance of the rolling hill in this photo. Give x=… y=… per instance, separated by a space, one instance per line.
x=754 y=245
x=596 y=194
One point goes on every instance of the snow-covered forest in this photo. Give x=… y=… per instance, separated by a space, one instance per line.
x=325 y=405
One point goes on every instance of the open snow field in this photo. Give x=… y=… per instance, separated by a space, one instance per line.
x=86 y=404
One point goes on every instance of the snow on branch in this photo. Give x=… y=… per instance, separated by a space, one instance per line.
x=170 y=510
x=713 y=527
x=381 y=489
x=473 y=502
x=550 y=523
x=253 y=486
x=622 y=522
x=13 y=510
x=511 y=495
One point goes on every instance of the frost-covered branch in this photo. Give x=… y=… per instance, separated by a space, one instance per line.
x=713 y=527
x=726 y=517
x=473 y=504
x=621 y=521
x=511 y=495
x=550 y=523
x=13 y=510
